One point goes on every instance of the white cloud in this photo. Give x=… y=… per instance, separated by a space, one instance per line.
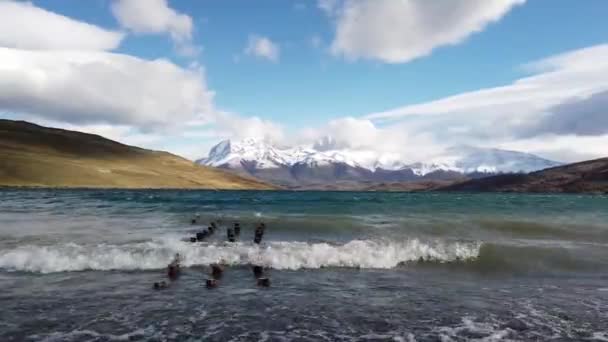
x=238 y=127
x=262 y=47
x=565 y=148
x=25 y=26
x=397 y=31
x=156 y=17
x=534 y=114
x=364 y=137
x=99 y=87
x=576 y=74
x=588 y=116
x=557 y=112
x=54 y=71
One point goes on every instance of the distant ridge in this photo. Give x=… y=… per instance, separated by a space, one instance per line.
x=327 y=166
x=584 y=177
x=37 y=156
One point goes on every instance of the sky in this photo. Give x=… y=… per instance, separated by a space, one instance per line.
x=404 y=77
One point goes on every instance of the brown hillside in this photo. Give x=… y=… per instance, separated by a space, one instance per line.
x=32 y=155
x=589 y=176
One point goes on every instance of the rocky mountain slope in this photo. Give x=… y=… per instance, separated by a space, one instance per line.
x=588 y=177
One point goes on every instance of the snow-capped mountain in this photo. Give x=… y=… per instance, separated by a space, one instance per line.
x=326 y=162
x=227 y=154
x=471 y=160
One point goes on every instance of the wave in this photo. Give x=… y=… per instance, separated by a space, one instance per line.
x=531 y=259
x=278 y=255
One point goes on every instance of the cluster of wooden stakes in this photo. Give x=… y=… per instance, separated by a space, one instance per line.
x=216 y=270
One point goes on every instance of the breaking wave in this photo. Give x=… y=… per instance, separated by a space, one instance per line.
x=278 y=255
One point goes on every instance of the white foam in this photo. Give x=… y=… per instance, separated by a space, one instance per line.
x=600 y=336
x=483 y=331
x=278 y=255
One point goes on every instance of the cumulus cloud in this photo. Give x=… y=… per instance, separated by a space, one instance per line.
x=262 y=47
x=156 y=17
x=397 y=31
x=238 y=127
x=25 y=26
x=362 y=136
x=55 y=71
x=100 y=87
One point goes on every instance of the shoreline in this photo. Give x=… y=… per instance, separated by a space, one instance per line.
x=433 y=191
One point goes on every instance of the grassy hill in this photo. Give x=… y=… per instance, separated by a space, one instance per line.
x=585 y=177
x=32 y=155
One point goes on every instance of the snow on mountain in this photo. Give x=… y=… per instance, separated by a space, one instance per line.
x=468 y=160
x=265 y=155
x=229 y=154
x=461 y=159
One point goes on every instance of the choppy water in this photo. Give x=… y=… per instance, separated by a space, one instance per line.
x=78 y=266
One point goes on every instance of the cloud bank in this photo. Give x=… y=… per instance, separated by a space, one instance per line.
x=100 y=87
x=156 y=17
x=56 y=68
x=398 y=31
x=25 y=26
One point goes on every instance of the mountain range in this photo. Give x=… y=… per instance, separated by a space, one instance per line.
x=322 y=163
x=38 y=156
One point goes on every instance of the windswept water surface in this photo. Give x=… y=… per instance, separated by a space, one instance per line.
x=78 y=265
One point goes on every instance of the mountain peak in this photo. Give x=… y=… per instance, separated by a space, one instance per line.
x=258 y=154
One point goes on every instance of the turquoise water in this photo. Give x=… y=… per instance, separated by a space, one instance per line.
x=79 y=265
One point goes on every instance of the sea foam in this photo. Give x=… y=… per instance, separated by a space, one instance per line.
x=278 y=255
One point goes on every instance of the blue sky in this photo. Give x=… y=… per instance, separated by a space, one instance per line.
x=309 y=87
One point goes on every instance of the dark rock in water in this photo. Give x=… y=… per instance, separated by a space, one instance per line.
x=217 y=271
x=160 y=286
x=192 y=239
x=200 y=236
x=258 y=271
x=211 y=283
x=173 y=271
x=264 y=282
x=230 y=235
x=515 y=324
x=259 y=234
